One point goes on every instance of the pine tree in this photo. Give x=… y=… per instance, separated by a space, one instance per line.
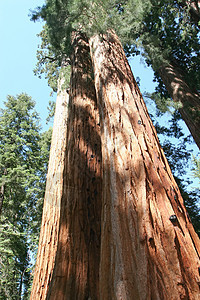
x=22 y=186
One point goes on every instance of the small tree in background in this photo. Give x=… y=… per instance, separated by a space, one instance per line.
x=23 y=163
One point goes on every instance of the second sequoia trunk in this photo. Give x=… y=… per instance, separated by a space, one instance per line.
x=149 y=249
x=75 y=274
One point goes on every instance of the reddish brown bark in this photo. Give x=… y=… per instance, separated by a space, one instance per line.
x=149 y=249
x=181 y=92
x=75 y=273
x=52 y=202
x=146 y=247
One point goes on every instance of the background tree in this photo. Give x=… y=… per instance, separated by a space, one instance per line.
x=22 y=181
x=169 y=41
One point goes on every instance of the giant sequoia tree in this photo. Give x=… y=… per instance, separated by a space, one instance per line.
x=114 y=224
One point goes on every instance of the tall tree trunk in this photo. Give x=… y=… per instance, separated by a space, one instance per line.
x=149 y=249
x=52 y=202
x=75 y=273
x=181 y=92
x=21 y=283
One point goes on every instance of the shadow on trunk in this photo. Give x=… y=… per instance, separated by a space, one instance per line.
x=75 y=275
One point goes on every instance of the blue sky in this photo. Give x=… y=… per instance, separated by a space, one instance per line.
x=19 y=44
x=18 y=54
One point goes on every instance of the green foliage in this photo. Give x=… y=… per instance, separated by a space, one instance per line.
x=23 y=165
x=48 y=60
x=163 y=104
x=191 y=200
x=196 y=170
x=51 y=62
x=65 y=17
x=162 y=31
x=65 y=75
x=166 y=34
x=51 y=109
x=14 y=262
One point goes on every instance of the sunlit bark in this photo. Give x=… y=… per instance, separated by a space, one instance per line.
x=149 y=249
x=54 y=192
x=73 y=255
x=76 y=274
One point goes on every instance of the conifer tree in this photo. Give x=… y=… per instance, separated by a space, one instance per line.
x=22 y=179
